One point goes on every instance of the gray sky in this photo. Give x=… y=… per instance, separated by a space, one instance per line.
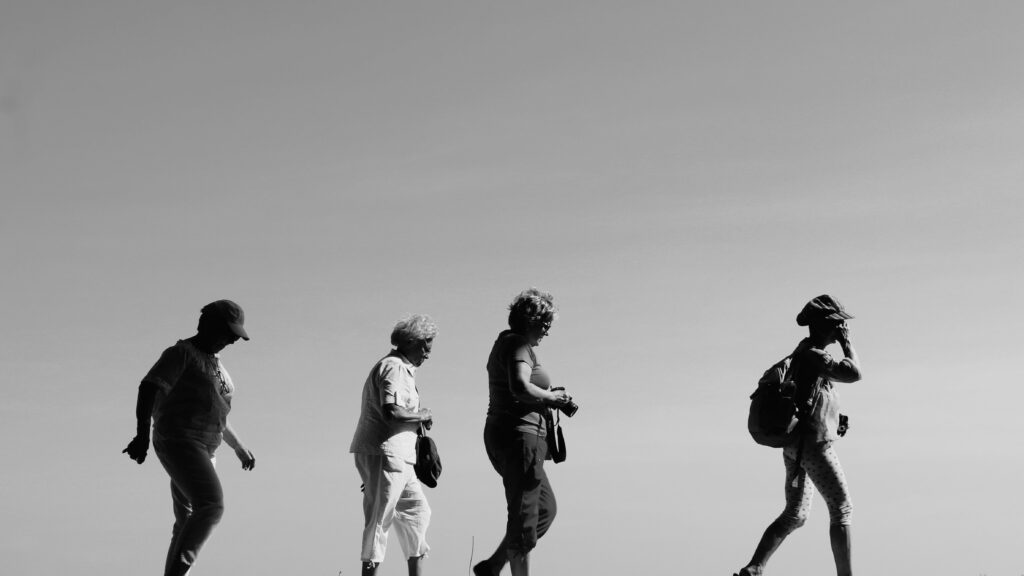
x=682 y=176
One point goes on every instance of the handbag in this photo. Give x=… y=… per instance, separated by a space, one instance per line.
x=428 y=461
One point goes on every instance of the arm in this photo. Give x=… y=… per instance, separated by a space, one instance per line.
x=396 y=413
x=244 y=454
x=525 y=391
x=160 y=378
x=139 y=445
x=848 y=369
x=396 y=385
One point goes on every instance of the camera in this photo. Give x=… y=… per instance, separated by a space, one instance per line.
x=844 y=424
x=569 y=408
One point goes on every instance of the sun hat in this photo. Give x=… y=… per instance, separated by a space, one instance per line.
x=231 y=314
x=823 y=307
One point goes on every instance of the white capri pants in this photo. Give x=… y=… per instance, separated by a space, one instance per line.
x=392 y=496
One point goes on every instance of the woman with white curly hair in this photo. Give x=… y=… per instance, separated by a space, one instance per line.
x=515 y=433
x=384 y=446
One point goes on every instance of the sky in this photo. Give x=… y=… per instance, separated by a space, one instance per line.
x=682 y=176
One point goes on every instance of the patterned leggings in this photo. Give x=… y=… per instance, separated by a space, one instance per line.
x=821 y=465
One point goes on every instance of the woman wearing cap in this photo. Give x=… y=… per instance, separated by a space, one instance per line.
x=384 y=446
x=187 y=394
x=515 y=432
x=812 y=457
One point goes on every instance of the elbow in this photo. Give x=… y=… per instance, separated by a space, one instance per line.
x=525 y=397
x=850 y=371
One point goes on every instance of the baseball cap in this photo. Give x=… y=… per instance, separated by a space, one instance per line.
x=823 y=307
x=231 y=314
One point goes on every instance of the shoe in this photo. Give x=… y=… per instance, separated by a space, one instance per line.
x=482 y=569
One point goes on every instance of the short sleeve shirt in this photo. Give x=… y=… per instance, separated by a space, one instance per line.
x=193 y=397
x=391 y=381
x=510 y=348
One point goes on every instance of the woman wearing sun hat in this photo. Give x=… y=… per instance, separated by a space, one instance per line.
x=812 y=457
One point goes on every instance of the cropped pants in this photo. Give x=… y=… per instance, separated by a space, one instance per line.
x=820 y=465
x=392 y=497
x=519 y=458
x=197 y=498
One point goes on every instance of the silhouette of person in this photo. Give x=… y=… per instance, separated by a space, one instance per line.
x=187 y=396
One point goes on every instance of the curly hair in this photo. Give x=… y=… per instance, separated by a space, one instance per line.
x=415 y=328
x=531 y=307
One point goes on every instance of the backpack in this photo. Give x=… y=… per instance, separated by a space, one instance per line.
x=774 y=413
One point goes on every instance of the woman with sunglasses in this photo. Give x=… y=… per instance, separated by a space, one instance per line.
x=515 y=432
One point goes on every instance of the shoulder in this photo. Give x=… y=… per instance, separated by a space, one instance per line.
x=392 y=365
x=180 y=351
x=815 y=358
x=510 y=339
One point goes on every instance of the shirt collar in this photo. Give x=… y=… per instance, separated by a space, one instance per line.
x=406 y=361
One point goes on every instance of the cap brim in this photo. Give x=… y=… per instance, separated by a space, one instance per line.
x=239 y=331
x=839 y=316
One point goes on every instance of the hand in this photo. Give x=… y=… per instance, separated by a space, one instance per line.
x=559 y=397
x=426 y=417
x=246 y=457
x=137 y=449
x=843 y=333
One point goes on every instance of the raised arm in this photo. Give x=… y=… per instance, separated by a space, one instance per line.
x=847 y=369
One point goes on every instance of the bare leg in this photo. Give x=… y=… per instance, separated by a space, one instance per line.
x=496 y=563
x=520 y=563
x=770 y=542
x=841 y=543
x=416 y=565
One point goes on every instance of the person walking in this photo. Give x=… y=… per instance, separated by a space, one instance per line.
x=384 y=446
x=187 y=396
x=516 y=428
x=812 y=456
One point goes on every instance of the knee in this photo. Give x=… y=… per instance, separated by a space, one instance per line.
x=212 y=511
x=842 y=514
x=424 y=513
x=550 y=509
x=790 y=521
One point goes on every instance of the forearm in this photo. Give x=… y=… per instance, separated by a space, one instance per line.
x=529 y=393
x=851 y=364
x=144 y=408
x=230 y=437
x=396 y=413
